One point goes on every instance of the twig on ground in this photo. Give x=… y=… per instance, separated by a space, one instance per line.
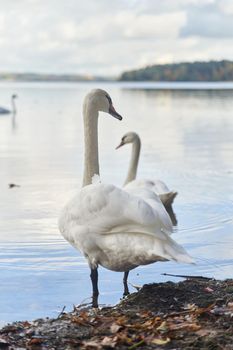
x=189 y=277
x=62 y=311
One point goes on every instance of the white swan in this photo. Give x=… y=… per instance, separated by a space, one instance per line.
x=162 y=193
x=159 y=187
x=108 y=225
x=7 y=111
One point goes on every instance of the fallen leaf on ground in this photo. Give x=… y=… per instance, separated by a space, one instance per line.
x=163 y=327
x=108 y=341
x=35 y=341
x=159 y=341
x=89 y=344
x=208 y=290
x=204 y=332
x=115 y=328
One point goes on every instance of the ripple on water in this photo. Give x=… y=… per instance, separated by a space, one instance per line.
x=42 y=256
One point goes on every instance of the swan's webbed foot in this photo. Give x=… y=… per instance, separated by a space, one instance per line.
x=95 y=291
x=125 y=282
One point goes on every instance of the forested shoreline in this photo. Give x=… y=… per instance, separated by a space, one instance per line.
x=186 y=71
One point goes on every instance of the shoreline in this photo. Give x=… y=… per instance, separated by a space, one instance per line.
x=192 y=314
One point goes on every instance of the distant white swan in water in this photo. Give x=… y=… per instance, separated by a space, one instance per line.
x=111 y=227
x=159 y=187
x=8 y=111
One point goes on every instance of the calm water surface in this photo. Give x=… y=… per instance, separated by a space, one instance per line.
x=186 y=141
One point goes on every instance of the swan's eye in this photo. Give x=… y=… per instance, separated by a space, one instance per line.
x=109 y=99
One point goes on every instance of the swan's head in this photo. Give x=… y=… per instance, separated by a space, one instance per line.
x=100 y=100
x=14 y=96
x=129 y=137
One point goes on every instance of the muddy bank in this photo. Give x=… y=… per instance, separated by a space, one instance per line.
x=193 y=314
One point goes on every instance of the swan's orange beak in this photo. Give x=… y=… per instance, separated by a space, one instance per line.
x=120 y=145
x=114 y=113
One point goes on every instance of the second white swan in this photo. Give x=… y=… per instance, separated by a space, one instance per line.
x=159 y=187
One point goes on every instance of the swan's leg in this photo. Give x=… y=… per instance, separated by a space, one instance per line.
x=125 y=282
x=95 y=291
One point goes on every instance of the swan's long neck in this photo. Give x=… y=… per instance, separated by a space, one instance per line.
x=13 y=105
x=91 y=154
x=133 y=165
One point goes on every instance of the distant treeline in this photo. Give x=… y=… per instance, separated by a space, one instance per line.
x=47 y=77
x=195 y=71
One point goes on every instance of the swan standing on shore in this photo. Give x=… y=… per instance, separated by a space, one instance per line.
x=7 y=111
x=159 y=187
x=110 y=226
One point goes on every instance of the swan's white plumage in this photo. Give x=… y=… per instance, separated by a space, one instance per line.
x=155 y=185
x=140 y=189
x=117 y=229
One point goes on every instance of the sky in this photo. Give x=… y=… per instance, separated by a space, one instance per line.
x=107 y=37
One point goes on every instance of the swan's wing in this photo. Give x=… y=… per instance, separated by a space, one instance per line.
x=100 y=215
x=157 y=186
x=105 y=209
x=145 y=190
x=160 y=187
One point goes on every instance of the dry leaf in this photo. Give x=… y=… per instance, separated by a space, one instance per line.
x=115 y=328
x=184 y=325
x=159 y=341
x=190 y=307
x=35 y=341
x=163 y=327
x=202 y=310
x=92 y=344
x=203 y=332
x=108 y=341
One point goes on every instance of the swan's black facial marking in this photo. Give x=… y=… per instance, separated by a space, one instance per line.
x=112 y=110
x=109 y=99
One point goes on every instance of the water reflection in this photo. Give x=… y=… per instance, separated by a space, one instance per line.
x=13 y=121
x=186 y=142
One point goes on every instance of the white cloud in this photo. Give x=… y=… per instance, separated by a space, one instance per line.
x=102 y=37
x=151 y=26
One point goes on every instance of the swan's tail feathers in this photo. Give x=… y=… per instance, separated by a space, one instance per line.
x=168 y=198
x=178 y=253
x=185 y=259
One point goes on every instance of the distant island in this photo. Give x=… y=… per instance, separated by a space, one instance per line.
x=186 y=71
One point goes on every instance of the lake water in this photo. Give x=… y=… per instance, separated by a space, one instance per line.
x=187 y=141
